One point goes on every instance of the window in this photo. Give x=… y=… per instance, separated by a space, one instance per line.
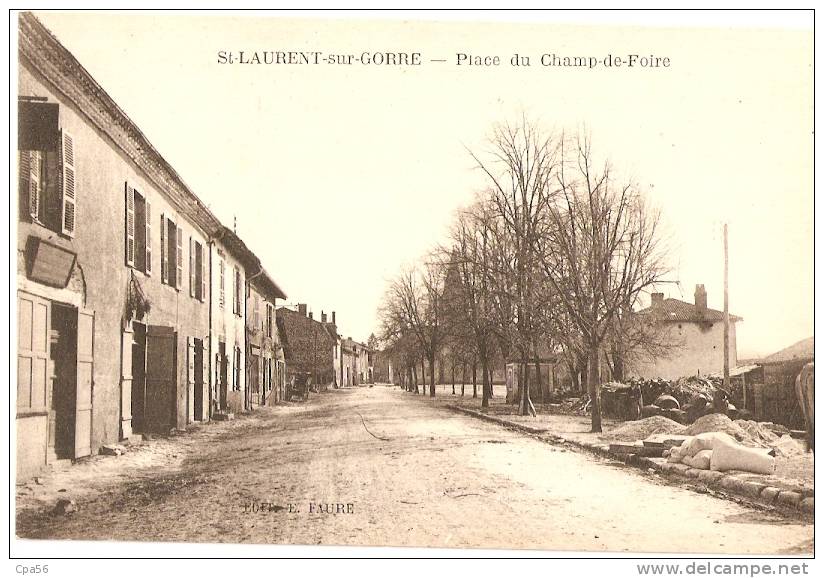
x=197 y=276
x=222 y=299
x=138 y=231
x=171 y=253
x=47 y=170
x=270 y=319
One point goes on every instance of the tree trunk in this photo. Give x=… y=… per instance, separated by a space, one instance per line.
x=538 y=382
x=453 y=378
x=525 y=401
x=463 y=378
x=486 y=382
x=594 y=387
x=423 y=375
x=475 y=379
x=432 y=375
x=415 y=377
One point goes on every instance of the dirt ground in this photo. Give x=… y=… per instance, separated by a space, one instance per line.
x=378 y=466
x=795 y=472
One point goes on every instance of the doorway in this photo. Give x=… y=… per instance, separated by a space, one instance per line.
x=72 y=355
x=64 y=389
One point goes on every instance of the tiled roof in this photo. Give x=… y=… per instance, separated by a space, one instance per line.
x=676 y=310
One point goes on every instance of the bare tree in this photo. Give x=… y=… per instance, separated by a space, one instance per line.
x=601 y=252
x=413 y=302
x=521 y=165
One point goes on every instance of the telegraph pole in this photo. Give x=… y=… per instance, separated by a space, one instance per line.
x=726 y=314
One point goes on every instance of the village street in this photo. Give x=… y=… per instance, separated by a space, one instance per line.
x=406 y=474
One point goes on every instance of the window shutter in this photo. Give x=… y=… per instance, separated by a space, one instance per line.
x=164 y=259
x=68 y=185
x=222 y=301
x=192 y=279
x=148 y=237
x=202 y=274
x=30 y=171
x=179 y=258
x=129 y=225
x=234 y=291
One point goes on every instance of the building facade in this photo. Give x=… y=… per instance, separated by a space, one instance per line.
x=694 y=335
x=131 y=295
x=266 y=375
x=112 y=314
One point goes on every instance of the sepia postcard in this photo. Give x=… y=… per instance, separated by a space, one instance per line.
x=453 y=284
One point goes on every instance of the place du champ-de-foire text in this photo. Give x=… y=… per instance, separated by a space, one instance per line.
x=461 y=59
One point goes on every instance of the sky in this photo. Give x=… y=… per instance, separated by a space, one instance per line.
x=340 y=175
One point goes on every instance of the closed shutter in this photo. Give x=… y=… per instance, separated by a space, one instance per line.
x=148 y=237
x=129 y=225
x=192 y=270
x=179 y=259
x=202 y=273
x=68 y=185
x=222 y=300
x=164 y=251
x=234 y=292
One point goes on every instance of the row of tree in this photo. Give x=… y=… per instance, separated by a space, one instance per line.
x=553 y=255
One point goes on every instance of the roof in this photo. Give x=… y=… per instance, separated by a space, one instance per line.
x=254 y=268
x=804 y=349
x=676 y=310
x=332 y=330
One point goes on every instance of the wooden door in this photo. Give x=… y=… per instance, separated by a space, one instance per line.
x=161 y=379
x=85 y=384
x=33 y=352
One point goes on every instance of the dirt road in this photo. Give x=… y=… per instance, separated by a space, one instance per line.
x=377 y=466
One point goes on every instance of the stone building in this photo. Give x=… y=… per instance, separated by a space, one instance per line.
x=131 y=295
x=112 y=315
x=307 y=345
x=695 y=337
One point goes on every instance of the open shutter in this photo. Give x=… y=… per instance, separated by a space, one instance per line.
x=190 y=377
x=68 y=185
x=85 y=384
x=148 y=237
x=192 y=270
x=202 y=273
x=204 y=357
x=164 y=251
x=179 y=259
x=30 y=170
x=129 y=225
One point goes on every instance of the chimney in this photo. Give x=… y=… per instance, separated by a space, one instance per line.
x=333 y=318
x=311 y=315
x=700 y=300
x=302 y=309
x=322 y=317
x=657 y=300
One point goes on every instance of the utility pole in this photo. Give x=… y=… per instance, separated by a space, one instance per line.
x=726 y=314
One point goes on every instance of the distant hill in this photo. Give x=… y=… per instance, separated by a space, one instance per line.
x=804 y=349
